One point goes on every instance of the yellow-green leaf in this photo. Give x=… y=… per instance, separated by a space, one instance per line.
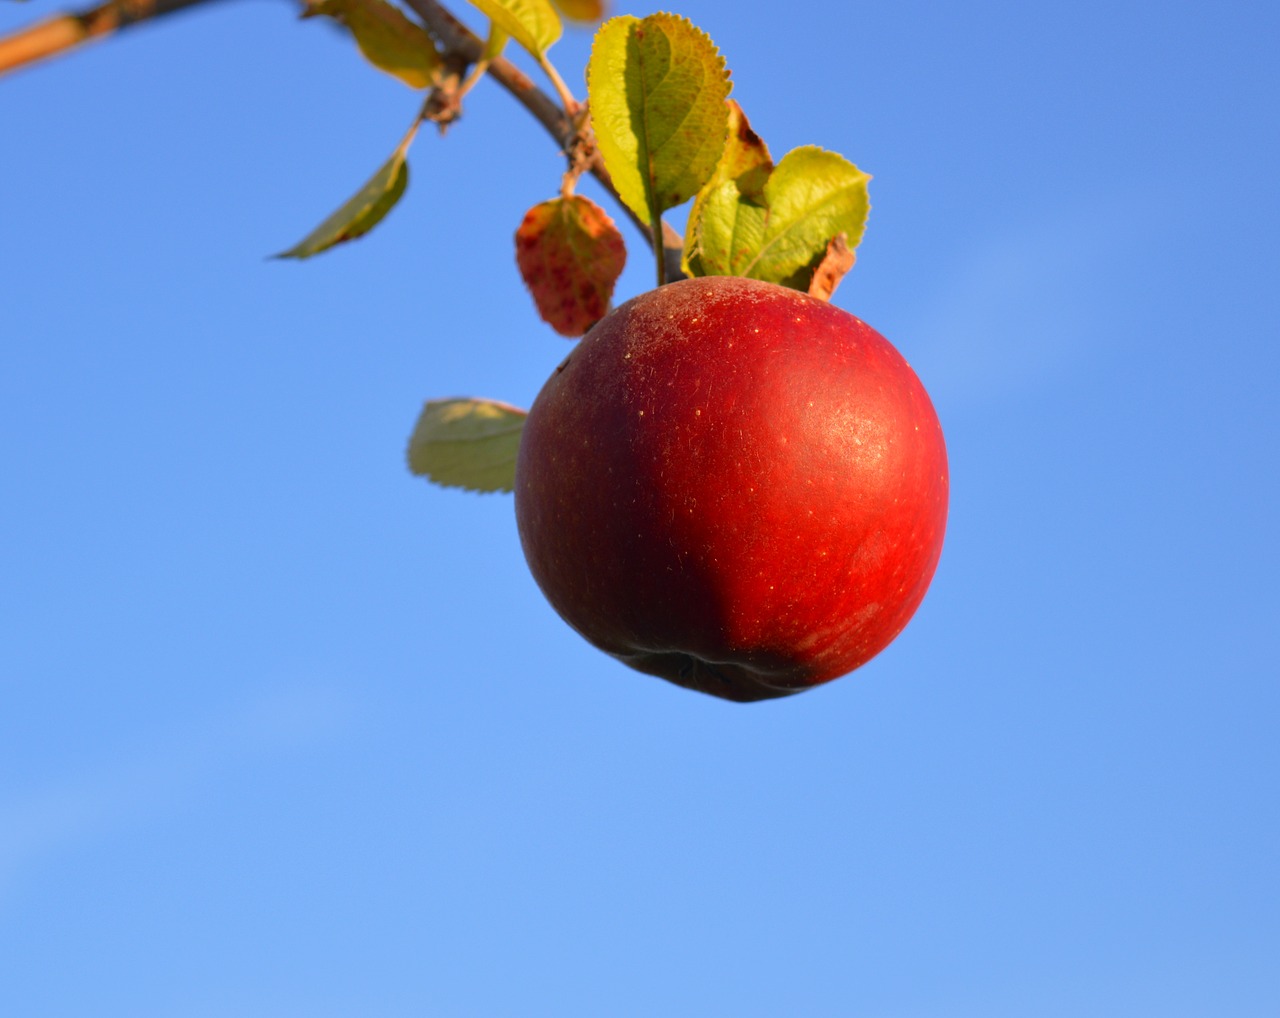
x=746 y=165
x=467 y=443
x=657 y=89
x=534 y=24
x=726 y=232
x=588 y=11
x=364 y=210
x=388 y=39
x=812 y=195
x=809 y=198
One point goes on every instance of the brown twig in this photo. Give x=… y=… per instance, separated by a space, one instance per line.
x=64 y=32
x=454 y=35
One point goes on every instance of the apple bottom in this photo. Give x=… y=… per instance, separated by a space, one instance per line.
x=724 y=679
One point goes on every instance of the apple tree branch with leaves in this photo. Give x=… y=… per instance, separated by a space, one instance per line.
x=827 y=461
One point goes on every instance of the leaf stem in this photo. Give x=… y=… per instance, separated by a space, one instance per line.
x=567 y=99
x=659 y=249
x=473 y=77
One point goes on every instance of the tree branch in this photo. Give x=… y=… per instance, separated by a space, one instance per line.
x=456 y=37
x=64 y=32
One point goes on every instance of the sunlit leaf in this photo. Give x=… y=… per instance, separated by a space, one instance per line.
x=746 y=160
x=811 y=196
x=746 y=165
x=467 y=443
x=582 y=10
x=534 y=24
x=363 y=211
x=657 y=90
x=726 y=232
x=388 y=39
x=570 y=255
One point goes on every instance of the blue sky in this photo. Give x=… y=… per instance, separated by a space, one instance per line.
x=285 y=731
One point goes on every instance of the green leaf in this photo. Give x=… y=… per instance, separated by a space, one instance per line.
x=657 y=90
x=534 y=24
x=362 y=212
x=467 y=443
x=570 y=255
x=810 y=197
x=726 y=231
x=746 y=164
x=388 y=39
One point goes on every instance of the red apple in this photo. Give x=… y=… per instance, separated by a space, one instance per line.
x=734 y=486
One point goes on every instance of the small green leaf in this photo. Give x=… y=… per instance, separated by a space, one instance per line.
x=363 y=211
x=570 y=255
x=467 y=443
x=812 y=196
x=388 y=39
x=657 y=90
x=726 y=231
x=534 y=24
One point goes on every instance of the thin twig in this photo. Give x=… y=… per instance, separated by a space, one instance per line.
x=454 y=35
x=65 y=32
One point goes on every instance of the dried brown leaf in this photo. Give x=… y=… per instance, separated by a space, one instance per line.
x=835 y=264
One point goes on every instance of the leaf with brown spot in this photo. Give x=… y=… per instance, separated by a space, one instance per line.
x=570 y=254
x=746 y=160
x=834 y=266
x=745 y=167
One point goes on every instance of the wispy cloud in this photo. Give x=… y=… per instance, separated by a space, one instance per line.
x=36 y=826
x=1028 y=305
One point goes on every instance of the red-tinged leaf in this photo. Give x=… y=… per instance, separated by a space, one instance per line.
x=570 y=254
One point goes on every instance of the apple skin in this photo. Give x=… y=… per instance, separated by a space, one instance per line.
x=733 y=486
